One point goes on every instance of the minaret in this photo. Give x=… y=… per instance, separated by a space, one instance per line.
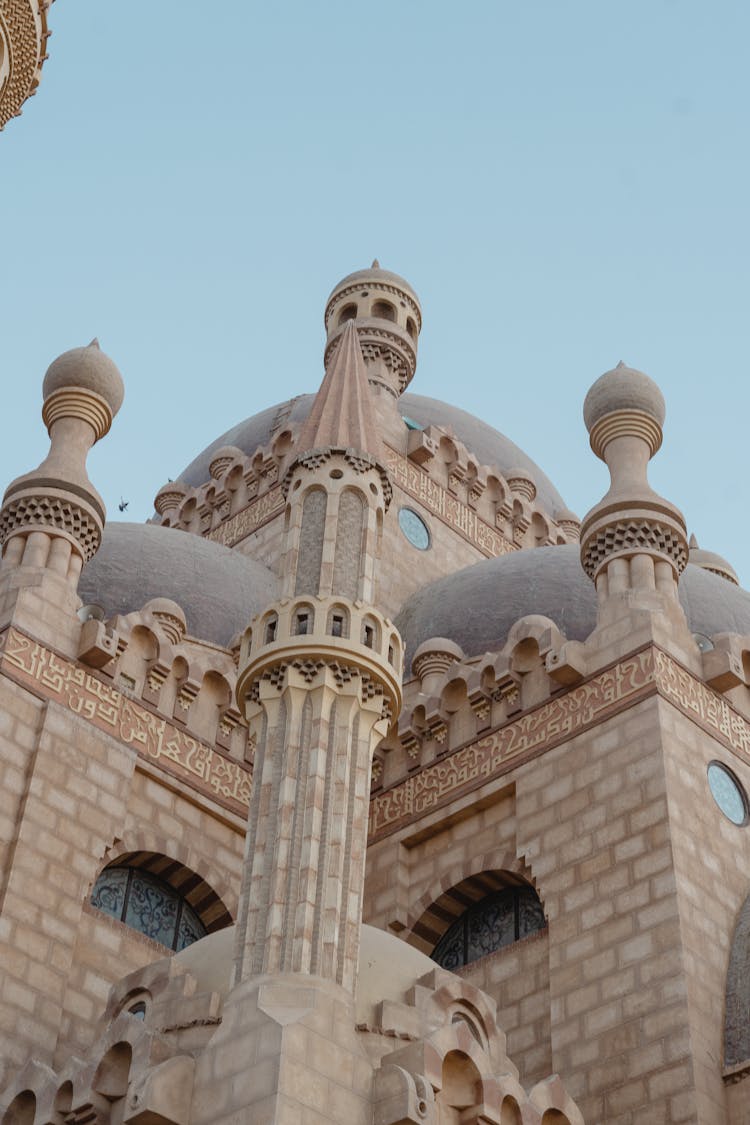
x=633 y=542
x=319 y=681
x=51 y=519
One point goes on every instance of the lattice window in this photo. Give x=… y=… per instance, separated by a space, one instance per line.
x=147 y=904
x=488 y=925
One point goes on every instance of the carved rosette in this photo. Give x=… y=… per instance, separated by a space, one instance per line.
x=23 y=40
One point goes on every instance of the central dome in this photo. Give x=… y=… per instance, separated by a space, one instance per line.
x=487 y=444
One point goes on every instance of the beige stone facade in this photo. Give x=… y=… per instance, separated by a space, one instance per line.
x=365 y=783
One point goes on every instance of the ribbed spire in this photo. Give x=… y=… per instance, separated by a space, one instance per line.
x=342 y=415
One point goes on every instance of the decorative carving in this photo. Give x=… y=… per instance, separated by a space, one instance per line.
x=537 y=730
x=52 y=512
x=260 y=511
x=74 y=687
x=439 y=501
x=634 y=535
x=381 y=288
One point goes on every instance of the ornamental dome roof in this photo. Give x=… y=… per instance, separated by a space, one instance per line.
x=487 y=444
x=219 y=590
x=476 y=607
x=373 y=275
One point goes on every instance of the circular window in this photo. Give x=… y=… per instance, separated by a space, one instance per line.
x=414 y=528
x=728 y=793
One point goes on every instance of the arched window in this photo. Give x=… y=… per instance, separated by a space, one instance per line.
x=149 y=905
x=489 y=924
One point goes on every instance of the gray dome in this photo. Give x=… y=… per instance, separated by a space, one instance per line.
x=219 y=590
x=476 y=607
x=488 y=445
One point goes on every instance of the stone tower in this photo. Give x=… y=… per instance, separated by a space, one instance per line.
x=319 y=681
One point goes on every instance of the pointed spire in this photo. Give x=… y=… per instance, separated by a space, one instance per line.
x=95 y=344
x=693 y=543
x=342 y=414
x=375 y=264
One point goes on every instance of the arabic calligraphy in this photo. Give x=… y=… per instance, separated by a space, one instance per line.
x=239 y=526
x=542 y=728
x=75 y=688
x=410 y=478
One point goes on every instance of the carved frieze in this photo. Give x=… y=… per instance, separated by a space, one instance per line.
x=244 y=523
x=459 y=516
x=73 y=686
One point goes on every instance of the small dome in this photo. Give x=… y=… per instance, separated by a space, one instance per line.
x=222 y=459
x=170 y=496
x=623 y=388
x=373 y=275
x=709 y=560
x=91 y=370
x=477 y=607
x=217 y=589
x=388 y=967
x=170 y=617
x=437 y=653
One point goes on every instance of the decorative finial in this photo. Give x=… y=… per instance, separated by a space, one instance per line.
x=95 y=343
x=693 y=544
x=375 y=264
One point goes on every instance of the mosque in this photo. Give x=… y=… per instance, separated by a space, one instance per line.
x=365 y=784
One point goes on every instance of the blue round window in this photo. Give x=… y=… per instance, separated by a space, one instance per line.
x=728 y=793
x=414 y=528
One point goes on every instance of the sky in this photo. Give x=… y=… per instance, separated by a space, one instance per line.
x=564 y=184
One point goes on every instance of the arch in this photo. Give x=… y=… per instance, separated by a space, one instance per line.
x=195 y=875
x=349 y=312
x=384 y=310
x=411 y=327
x=510 y=1111
x=337 y=623
x=348 y=552
x=737 y=1006
x=462 y=883
x=22 y=1110
x=311 y=537
x=303 y=621
x=113 y=1072
x=492 y=922
x=555 y=1117
x=148 y=904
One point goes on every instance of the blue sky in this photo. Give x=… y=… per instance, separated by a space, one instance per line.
x=564 y=184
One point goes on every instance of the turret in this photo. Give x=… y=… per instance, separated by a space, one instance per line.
x=633 y=543
x=387 y=315
x=320 y=682
x=51 y=519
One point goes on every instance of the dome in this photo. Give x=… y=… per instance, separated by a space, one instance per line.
x=388 y=967
x=218 y=589
x=477 y=606
x=623 y=388
x=373 y=275
x=88 y=368
x=488 y=445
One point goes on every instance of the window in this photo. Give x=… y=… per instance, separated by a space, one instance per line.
x=488 y=925
x=414 y=528
x=147 y=904
x=728 y=793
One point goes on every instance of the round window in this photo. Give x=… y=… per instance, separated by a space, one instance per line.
x=728 y=793
x=414 y=528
